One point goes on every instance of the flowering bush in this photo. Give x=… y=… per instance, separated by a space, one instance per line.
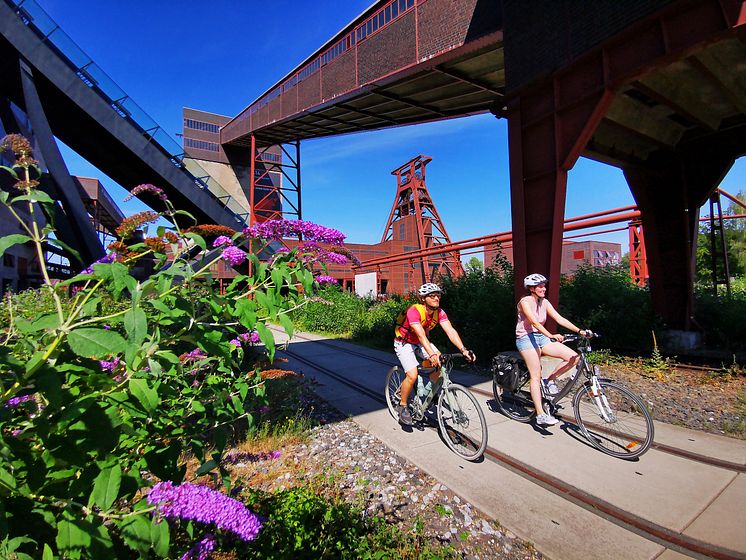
x=98 y=401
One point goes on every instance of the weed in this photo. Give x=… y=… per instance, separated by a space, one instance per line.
x=443 y=511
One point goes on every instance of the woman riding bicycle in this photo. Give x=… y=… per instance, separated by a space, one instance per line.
x=533 y=341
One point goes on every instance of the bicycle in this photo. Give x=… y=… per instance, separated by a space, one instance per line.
x=611 y=417
x=460 y=418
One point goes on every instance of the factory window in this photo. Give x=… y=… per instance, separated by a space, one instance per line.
x=201 y=145
x=200 y=125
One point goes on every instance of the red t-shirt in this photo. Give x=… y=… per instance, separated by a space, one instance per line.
x=413 y=316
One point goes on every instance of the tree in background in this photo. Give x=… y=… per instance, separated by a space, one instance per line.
x=474 y=265
x=735 y=240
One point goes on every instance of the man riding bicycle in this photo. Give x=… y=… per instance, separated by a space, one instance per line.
x=411 y=341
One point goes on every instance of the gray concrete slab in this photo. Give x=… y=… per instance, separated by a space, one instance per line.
x=658 y=488
x=724 y=517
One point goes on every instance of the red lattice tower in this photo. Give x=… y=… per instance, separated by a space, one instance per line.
x=414 y=218
x=638 y=263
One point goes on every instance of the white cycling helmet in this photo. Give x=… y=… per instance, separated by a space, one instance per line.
x=534 y=280
x=429 y=288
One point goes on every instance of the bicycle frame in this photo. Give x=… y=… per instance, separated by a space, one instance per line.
x=421 y=405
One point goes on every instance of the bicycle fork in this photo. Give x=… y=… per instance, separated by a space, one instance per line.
x=600 y=400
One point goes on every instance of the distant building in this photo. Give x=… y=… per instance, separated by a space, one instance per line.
x=574 y=254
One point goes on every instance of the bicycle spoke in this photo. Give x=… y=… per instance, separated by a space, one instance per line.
x=394 y=378
x=462 y=422
x=614 y=420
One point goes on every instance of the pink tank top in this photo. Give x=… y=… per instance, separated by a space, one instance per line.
x=524 y=326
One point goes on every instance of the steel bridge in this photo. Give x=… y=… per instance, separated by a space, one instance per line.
x=651 y=87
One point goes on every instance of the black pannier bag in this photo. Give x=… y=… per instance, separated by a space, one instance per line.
x=509 y=372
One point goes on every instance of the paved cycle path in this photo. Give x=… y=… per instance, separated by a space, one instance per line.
x=686 y=497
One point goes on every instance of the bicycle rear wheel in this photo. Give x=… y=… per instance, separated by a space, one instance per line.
x=616 y=421
x=514 y=404
x=462 y=422
x=394 y=378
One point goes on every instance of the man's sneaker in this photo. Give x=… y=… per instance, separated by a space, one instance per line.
x=550 y=387
x=546 y=420
x=405 y=417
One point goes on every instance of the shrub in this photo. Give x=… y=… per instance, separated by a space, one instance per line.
x=721 y=317
x=108 y=390
x=334 y=311
x=376 y=326
x=606 y=301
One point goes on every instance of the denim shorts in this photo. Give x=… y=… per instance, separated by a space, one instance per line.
x=532 y=340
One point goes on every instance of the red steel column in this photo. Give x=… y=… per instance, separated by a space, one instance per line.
x=548 y=129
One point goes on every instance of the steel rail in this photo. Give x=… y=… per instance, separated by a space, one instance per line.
x=671 y=450
x=647 y=529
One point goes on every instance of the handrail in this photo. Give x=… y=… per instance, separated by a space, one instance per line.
x=36 y=19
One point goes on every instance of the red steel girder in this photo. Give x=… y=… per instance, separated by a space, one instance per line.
x=551 y=122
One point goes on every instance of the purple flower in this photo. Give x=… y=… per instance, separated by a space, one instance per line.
x=323 y=279
x=109 y=366
x=222 y=240
x=234 y=457
x=106 y=259
x=264 y=409
x=233 y=256
x=252 y=337
x=15 y=401
x=147 y=188
x=202 y=504
x=202 y=549
x=194 y=355
x=277 y=229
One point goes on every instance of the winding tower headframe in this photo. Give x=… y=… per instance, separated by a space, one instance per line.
x=414 y=204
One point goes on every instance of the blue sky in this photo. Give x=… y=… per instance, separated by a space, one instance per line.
x=221 y=55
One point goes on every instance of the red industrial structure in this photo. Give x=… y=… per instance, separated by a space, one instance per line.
x=644 y=85
x=413 y=199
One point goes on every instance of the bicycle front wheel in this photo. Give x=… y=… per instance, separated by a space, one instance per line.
x=394 y=378
x=462 y=422
x=615 y=420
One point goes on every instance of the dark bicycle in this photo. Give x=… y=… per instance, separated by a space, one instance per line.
x=612 y=418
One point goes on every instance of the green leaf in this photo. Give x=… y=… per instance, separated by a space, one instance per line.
x=67 y=248
x=269 y=341
x=136 y=325
x=8 y=241
x=35 y=196
x=95 y=343
x=106 y=486
x=198 y=240
x=47 y=554
x=246 y=311
x=287 y=324
x=147 y=396
x=278 y=277
x=44 y=323
x=143 y=534
x=206 y=467
x=198 y=406
x=71 y=539
x=7 y=480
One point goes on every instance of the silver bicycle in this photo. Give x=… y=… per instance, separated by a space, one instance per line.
x=460 y=417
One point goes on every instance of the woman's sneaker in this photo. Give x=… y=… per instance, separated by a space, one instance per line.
x=405 y=417
x=546 y=420
x=550 y=387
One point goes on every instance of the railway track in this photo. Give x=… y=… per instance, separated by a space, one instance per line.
x=641 y=526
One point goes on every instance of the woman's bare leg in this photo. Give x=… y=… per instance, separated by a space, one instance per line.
x=558 y=350
x=532 y=357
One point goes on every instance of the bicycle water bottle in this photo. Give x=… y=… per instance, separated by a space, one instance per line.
x=421 y=391
x=428 y=388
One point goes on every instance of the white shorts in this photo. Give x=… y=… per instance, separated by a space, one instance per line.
x=408 y=353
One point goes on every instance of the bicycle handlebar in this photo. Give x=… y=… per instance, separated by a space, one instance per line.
x=576 y=337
